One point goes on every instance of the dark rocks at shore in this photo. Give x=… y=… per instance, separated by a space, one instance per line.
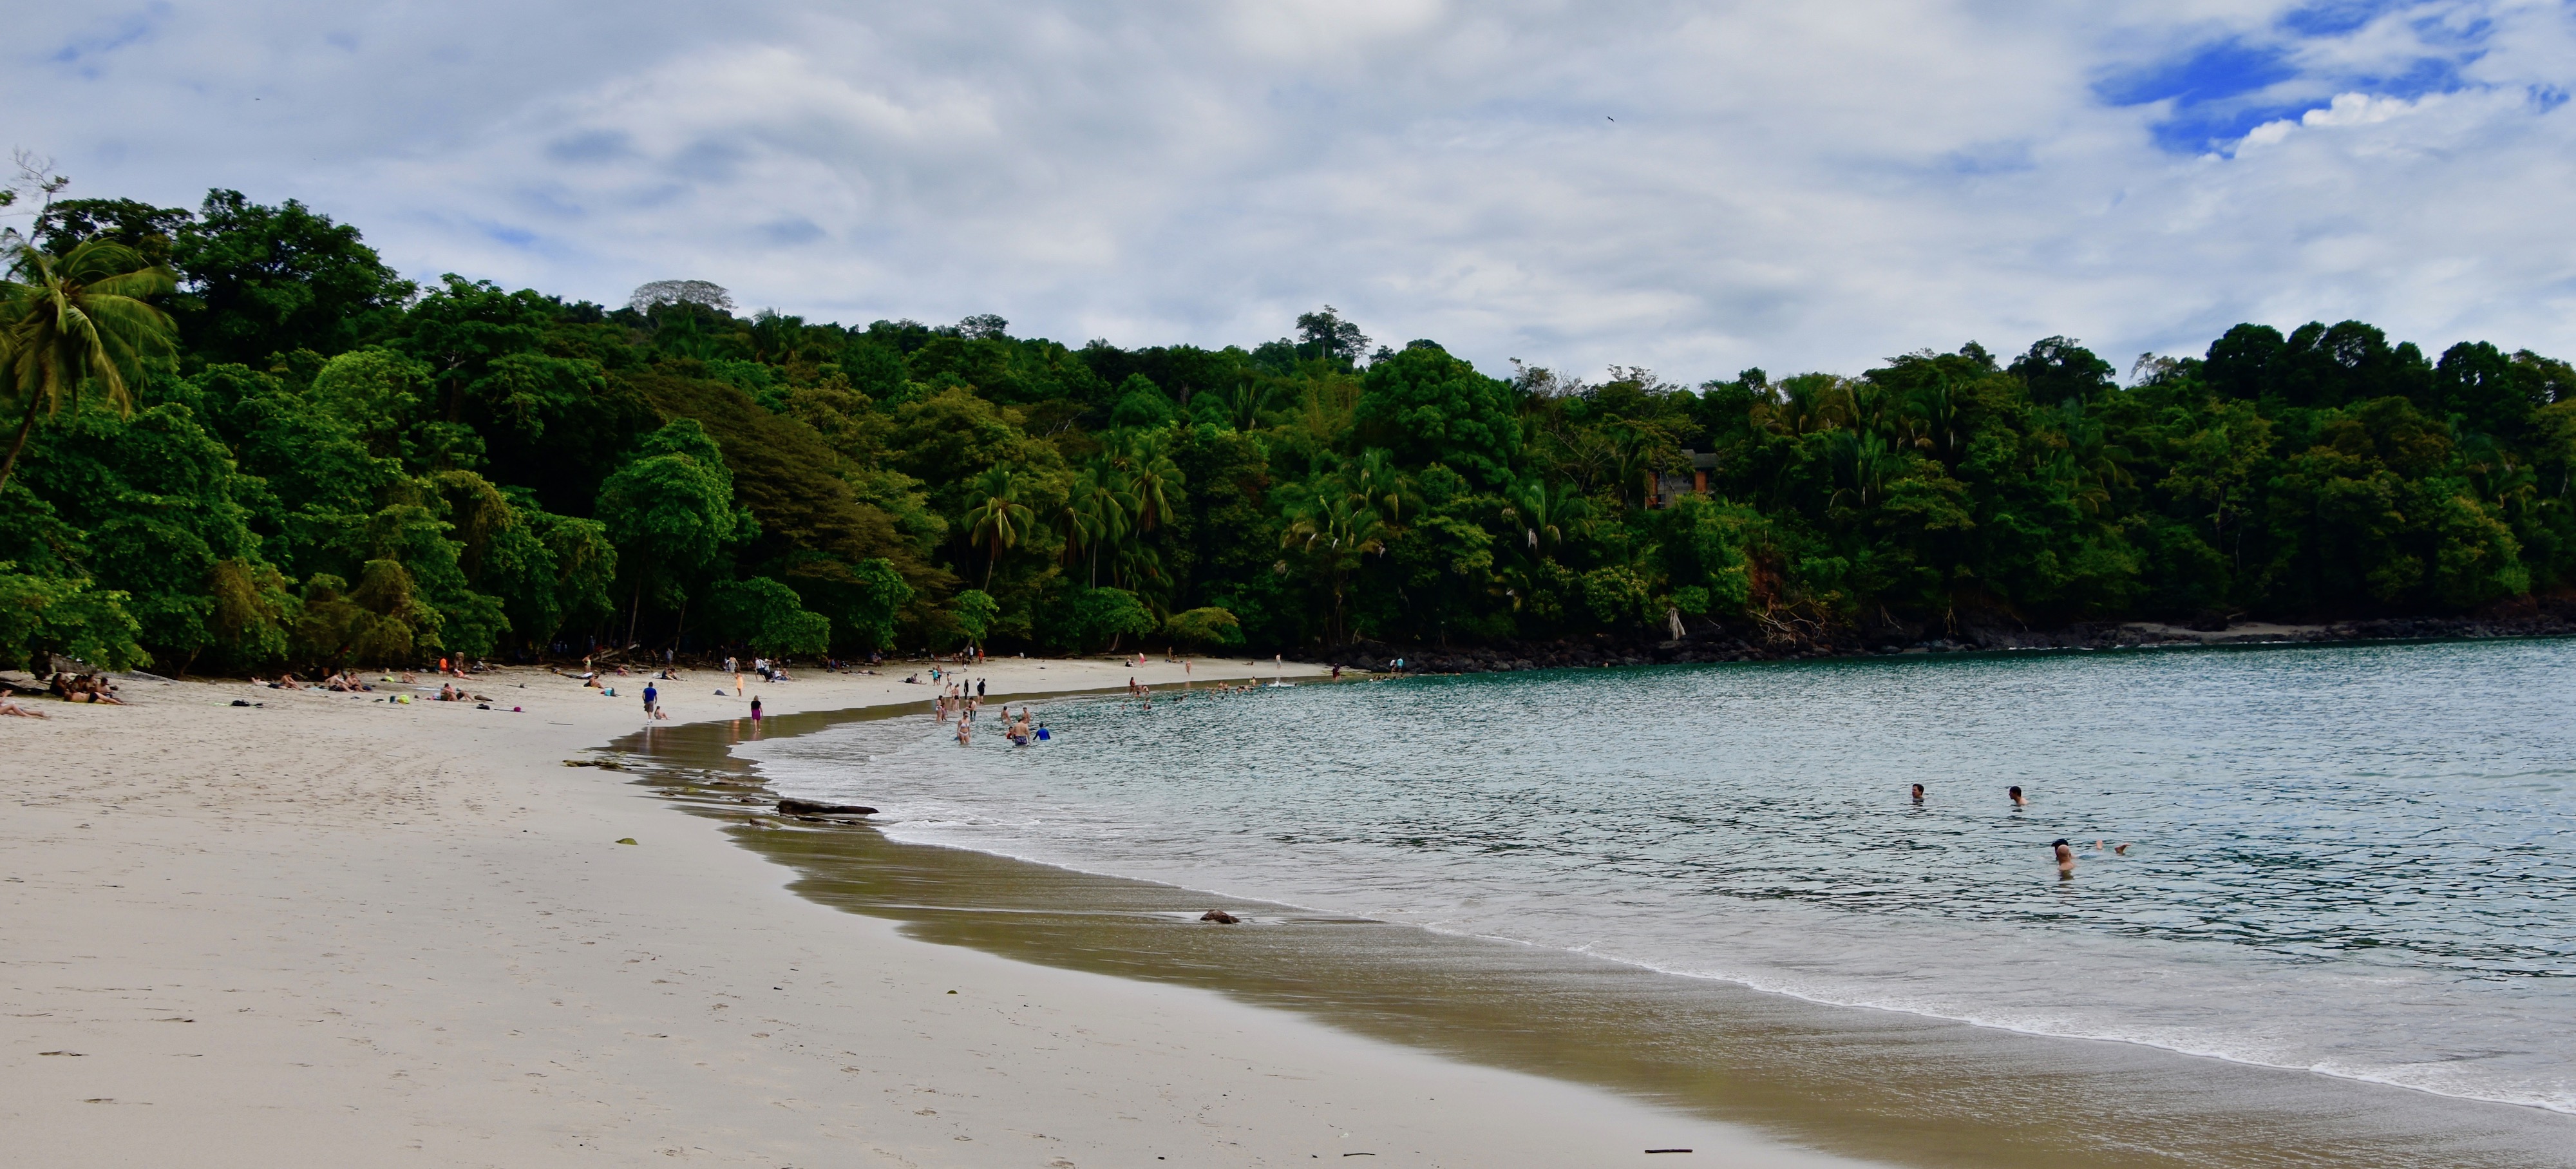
x=1220 y=917
x=1712 y=643
x=811 y=808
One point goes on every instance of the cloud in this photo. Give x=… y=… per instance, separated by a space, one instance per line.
x=1791 y=186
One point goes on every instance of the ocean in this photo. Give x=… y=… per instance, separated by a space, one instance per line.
x=2350 y=860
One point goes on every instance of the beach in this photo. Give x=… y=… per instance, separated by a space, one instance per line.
x=331 y=930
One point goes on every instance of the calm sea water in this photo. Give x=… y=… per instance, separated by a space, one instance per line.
x=2355 y=860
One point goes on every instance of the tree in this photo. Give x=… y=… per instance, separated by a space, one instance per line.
x=1097 y=514
x=974 y=611
x=998 y=519
x=769 y=617
x=270 y=280
x=1429 y=407
x=1207 y=626
x=41 y=615
x=1325 y=334
x=1093 y=614
x=66 y=223
x=1334 y=527
x=66 y=321
x=2056 y=368
x=669 y=511
x=655 y=294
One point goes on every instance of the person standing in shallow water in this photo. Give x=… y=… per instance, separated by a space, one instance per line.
x=755 y=708
x=2018 y=802
x=2065 y=857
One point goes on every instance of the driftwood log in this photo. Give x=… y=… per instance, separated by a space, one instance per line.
x=810 y=808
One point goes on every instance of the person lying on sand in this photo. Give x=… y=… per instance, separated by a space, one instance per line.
x=12 y=709
x=88 y=689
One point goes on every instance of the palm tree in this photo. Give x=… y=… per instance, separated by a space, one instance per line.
x=1542 y=516
x=1098 y=511
x=1156 y=486
x=1245 y=404
x=998 y=518
x=69 y=320
x=1376 y=480
x=1335 y=527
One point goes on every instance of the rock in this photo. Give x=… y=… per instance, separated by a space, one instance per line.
x=1220 y=917
x=810 y=808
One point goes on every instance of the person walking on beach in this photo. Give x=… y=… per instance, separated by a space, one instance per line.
x=979 y=688
x=755 y=709
x=649 y=695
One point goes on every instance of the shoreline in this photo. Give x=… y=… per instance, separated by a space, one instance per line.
x=1902 y=1086
x=342 y=929
x=1718 y=645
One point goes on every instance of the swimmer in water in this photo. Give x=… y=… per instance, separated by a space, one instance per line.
x=1918 y=793
x=2065 y=857
x=2015 y=793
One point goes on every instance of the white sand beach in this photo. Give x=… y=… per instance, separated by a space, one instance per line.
x=333 y=931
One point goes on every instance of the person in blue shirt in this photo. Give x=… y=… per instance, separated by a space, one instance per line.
x=649 y=695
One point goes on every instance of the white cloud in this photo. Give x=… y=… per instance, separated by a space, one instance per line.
x=1792 y=186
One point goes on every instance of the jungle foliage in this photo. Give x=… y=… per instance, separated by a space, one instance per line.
x=243 y=440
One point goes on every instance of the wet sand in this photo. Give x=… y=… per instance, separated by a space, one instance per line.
x=333 y=931
x=1871 y=1084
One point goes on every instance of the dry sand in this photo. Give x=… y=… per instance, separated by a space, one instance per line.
x=329 y=931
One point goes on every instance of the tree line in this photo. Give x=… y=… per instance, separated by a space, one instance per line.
x=239 y=440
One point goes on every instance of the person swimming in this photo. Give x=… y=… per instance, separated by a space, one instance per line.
x=1918 y=793
x=2065 y=856
x=2015 y=793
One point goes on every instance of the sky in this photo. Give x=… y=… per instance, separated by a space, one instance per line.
x=1695 y=188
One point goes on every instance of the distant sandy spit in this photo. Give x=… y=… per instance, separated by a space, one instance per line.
x=330 y=930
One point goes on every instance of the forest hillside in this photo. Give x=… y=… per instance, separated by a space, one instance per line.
x=240 y=440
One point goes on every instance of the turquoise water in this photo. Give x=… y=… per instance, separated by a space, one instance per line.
x=2352 y=860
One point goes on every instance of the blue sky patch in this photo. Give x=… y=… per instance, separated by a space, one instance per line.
x=2212 y=72
x=2337 y=17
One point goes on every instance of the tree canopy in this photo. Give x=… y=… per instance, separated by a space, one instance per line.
x=248 y=442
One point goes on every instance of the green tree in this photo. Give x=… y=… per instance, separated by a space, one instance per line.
x=68 y=320
x=1091 y=615
x=270 y=280
x=974 y=610
x=42 y=615
x=770 y=617
x=998 y=520
x=1429 y=407
x=1206 y=626
x=670 y=512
